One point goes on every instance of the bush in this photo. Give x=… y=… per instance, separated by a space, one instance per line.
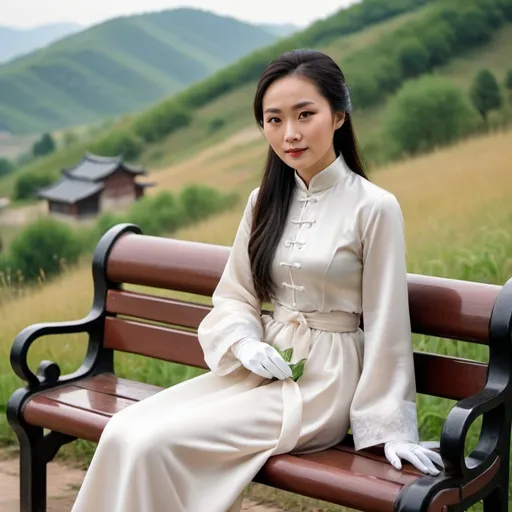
x=29 y=183
x=199 y=201
x=161 y=120
x=164 y=213
x=6 y=166
x=106 y=221
x=119 y=142
x=44 y=246
x=157 y=215
x=425 y=113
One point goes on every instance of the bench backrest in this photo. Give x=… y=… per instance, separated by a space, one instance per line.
x=149 y=324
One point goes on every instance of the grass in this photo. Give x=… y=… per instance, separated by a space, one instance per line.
x=457 y=216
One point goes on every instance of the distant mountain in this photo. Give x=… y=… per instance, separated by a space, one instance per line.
x=16 y=41
x=280 y=29
x=120 y=66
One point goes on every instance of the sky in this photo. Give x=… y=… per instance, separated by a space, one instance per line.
x=30 y=13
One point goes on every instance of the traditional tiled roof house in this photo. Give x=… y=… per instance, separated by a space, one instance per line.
x=94 y=185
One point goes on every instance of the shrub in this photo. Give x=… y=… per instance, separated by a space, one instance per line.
x=158 y=214
x=161 y=120
x=425 y=113
x=6 y=166
x=106 y=221
x=199 y=201
x=29 y=183
x=120 y=142
x=45 y=245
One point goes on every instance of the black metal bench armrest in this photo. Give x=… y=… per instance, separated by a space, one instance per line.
x=490 y=403
x=48 y=371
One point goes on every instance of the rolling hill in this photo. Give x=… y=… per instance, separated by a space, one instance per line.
x=15 y=42
x=220 y=106
x=119 y=66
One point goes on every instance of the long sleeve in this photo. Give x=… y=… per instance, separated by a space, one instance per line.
x=236 y=312
x=384 y=404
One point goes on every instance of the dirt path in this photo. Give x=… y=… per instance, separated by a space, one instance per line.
x=20 y=215
x=63 y=485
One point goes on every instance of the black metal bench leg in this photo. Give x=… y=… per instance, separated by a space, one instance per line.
x=497 y=501
x=32 y=470
x=36 y=450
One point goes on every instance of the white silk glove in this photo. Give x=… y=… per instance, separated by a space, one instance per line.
x=261 y=358
x=417 y=454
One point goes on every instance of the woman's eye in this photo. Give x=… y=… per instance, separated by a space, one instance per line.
x=272 y=120
x=306 y=114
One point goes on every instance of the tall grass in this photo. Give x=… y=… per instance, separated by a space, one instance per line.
x=458 y=224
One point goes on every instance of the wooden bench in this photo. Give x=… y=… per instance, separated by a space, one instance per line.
x=52 y=410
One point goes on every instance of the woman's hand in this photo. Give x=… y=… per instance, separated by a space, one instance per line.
x=417 y=454
x=261 y=358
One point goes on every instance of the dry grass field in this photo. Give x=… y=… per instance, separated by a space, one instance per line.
x=457 y=214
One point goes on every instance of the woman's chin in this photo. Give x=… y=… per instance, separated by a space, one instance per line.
x=297 y=161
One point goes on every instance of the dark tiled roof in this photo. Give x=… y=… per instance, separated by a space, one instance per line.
x=69 y=191
x=94 y=167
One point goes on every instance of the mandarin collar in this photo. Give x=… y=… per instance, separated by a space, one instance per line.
x=324 y=179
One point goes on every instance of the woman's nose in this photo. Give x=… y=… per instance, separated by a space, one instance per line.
x=292 y=133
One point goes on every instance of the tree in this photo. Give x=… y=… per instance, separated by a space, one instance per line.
x=44 y=146
x=485 y=93
x=427 y=112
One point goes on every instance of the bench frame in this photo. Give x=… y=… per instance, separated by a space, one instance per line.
x=483 y=475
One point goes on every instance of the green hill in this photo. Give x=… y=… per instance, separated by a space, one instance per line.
x=119 y=66
x=377 y=53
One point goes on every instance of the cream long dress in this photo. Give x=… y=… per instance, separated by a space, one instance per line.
x=195 y=446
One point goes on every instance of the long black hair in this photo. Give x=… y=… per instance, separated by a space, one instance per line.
x=278 y=182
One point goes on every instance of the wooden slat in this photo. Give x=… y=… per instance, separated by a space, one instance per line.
x=448 y=377
x=446 y=308
x=436 y=375
x=449 y=308
x=153 y=341
x=110 y=384
x=336 y=477
x=46 y=413
x=157 y=309
x=161 y=262
x=88 y=400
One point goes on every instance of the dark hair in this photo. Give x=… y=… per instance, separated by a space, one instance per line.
x=278 y=180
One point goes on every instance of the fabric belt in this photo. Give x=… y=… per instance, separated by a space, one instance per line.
x=335 y=321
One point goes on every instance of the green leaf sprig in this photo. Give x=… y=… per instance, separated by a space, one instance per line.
x=296 y=368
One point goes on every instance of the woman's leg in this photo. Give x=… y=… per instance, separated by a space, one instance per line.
x=191 y=448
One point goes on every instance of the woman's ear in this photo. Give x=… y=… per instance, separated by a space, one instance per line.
x=339 y=119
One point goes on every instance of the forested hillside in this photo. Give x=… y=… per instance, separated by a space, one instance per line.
x=119 y=66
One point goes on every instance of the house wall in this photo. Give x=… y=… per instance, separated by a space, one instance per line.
x=118 y=191
x=56 y=208
x=88 y=207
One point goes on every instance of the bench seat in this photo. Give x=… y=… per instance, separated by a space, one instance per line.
x=338 y=475
x=51 y=409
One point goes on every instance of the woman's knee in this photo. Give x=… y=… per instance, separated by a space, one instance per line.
x=129 y=439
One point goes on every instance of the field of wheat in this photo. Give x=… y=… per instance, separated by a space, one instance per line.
x=457 y=216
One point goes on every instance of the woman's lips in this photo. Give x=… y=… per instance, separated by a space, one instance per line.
x=295 y=153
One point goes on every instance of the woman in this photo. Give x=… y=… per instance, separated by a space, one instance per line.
x=325 y=246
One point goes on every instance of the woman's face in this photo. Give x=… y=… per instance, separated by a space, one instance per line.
x=299 y=125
